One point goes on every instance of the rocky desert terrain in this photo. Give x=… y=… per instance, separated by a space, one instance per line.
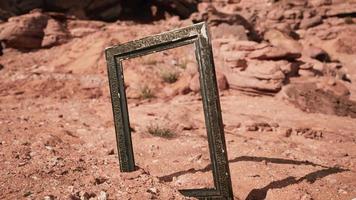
x=286 y=73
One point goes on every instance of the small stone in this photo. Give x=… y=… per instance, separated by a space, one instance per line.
x=153 y=190
x=265 y=162
x=28 y=193
x=319 y=66
x=111 y=152
x=251 y=128
x=49 y=197
x=267 y=128
x=316 y=53
x=317 y=3
x=342 y=191
x=311 y=22
x=286 y=69
x=71 y=189
x=73 y=196
x=100 y=180
x=306 y=66
x=132 y=175
x=306 y=73
x=103 y=196
x=288 y=132
x=86 y=195
x=240 y=64
x=275 y=14
x=306 y=197
x=274 y=125
x=331 y=82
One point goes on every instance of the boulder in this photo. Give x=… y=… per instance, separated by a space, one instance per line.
x=248 y=45
x=308 y=63
x=273 y=53
x=282 y=40
x=250 y=84
x=310 y=97
x=316 y=53
x=80 y=28
x=182 y=8
x=54 y=34
x=265 y=70
x=311 y=22
x=224 y=30
x=214 y=17
x=108 y=10
x=24 y=32
x=240 y=64
x=34 y=30
x=345 y=8
x=346 y=43
x=259 y=76
x=275 y=14
x=306 y=66
x=299 y=3
x=306 y=73
x=21 y=6
x=335 y=86
x=292 y=14
x=317 y=3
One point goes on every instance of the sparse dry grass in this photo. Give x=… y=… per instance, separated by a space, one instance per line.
x=170 y=76
x=146 y=93
x=158 y=131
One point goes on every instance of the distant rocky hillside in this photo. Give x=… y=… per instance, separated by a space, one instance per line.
x=106 y=10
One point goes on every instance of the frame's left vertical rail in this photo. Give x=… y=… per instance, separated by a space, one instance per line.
x=120 y=112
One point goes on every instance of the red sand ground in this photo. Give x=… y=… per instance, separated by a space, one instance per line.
x=57 y=138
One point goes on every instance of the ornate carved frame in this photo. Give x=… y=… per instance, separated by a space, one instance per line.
x=198 y=35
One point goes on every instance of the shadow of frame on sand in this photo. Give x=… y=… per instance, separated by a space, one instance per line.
x=261 y=193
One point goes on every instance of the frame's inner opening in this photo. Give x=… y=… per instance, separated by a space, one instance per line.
x=158 y=87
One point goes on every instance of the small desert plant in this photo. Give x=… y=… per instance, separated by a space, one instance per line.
x=156 y=130
x=146 y=92
x=170 y=76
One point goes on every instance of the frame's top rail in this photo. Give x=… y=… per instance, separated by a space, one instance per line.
x=184 y=33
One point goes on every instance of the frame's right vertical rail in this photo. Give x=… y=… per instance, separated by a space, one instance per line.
x=213 y=117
